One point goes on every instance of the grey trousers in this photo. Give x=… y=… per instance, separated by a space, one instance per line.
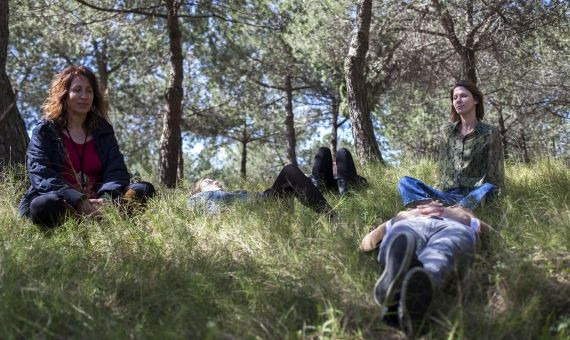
x=442 y=246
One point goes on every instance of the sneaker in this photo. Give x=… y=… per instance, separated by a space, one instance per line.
x=399 y=258
x=342 y=185
x=317 y=182
x=415 y=300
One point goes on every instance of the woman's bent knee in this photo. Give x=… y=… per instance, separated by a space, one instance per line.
x=47 y=210
x=406 y=182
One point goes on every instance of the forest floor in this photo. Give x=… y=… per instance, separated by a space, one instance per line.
x=256 y=270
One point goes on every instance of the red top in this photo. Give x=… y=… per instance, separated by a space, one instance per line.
x=92 y=166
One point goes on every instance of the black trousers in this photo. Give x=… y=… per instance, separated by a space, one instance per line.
x=49 y=210
x=323 y=167
x=290 y=182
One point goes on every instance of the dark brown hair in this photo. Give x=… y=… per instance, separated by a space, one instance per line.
x=477 y=95
x=54 y=105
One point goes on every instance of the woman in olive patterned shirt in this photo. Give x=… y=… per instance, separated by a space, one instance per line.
x=471 y=156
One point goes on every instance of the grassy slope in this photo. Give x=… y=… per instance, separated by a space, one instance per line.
x=257 y=271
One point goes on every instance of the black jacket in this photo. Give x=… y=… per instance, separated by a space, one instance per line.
x=45 y=161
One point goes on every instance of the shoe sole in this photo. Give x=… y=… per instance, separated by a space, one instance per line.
x=393 y=285
x=416 y=298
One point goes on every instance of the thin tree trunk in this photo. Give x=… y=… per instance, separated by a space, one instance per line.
x=468 y=65
x=290 y=122
x=102 y=61
x=526 y=158
x=244 y=140
x=502 y=131
x=170 y=138
x=466 y=53
x=367 y=149
x=334 y=127
x=180 y=172
x=243 y=169
x=13 y=136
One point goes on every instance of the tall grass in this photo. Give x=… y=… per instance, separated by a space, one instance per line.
x=275 y=270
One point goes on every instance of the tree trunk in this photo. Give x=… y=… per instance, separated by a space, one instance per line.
x=334 y=127
x=290 y=122
x=526 y=158
x=366 y=147
x=243 y=169
x=502 y=131
x=468 y=66
x=102 y=61
x=170 y=138
x=180 y=172
x=13 y=136
x=466 y=53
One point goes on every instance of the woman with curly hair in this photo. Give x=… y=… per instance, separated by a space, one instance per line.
x=73 y=160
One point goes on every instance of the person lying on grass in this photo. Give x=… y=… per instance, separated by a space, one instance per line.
x=419 y=249
x=291 y=182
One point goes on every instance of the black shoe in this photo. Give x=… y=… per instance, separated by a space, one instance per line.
x=399 y=257
x=342 y=185
x=415 y=300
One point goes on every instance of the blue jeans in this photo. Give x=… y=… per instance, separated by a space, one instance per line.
x=413 y=190
x=442 y=246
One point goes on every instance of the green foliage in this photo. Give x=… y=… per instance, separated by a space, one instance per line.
x=255 y=270
x=520 y=61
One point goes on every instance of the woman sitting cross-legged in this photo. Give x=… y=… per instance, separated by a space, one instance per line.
x=73 y=160
x=291 y=182
x=471 y=156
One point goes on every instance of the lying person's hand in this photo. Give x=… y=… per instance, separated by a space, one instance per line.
x=458 y=213
x=434 y=208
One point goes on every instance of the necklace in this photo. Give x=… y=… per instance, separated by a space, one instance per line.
x=81 y=156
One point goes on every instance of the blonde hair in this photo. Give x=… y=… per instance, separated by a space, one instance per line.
x=55 y=104
x=197 y=187
x=202 y=183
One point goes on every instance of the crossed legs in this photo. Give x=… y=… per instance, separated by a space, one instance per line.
x=49 y=210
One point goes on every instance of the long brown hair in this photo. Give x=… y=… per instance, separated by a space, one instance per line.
x=55 y=104
x=477 y=95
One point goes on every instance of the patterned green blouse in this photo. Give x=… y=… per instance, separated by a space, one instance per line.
x=472 y=160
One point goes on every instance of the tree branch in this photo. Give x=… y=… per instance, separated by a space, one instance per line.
x=138 y=10
x=449 y=26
